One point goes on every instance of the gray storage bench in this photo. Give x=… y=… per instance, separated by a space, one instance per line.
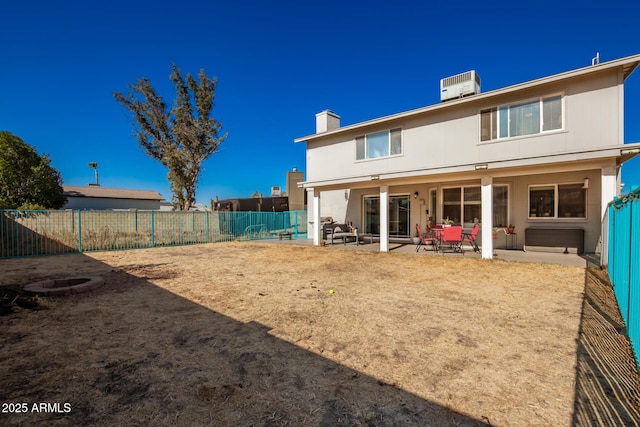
x=549 y=239
x=342 y=231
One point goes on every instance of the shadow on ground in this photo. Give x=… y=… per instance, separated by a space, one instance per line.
x=607 y=379
x=131 y=353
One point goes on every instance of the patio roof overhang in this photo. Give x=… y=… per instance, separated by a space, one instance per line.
x=552 y=163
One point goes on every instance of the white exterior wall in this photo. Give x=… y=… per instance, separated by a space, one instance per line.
x=451 y=136
x=334 y=204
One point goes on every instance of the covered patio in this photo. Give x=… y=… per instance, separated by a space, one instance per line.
x=571 y=259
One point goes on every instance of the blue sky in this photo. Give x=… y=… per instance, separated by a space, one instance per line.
x=278 y=64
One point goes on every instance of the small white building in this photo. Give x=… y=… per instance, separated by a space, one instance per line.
x=99 y=198
x=543 y=155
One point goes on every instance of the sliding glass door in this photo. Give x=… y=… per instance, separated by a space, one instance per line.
x=372 y=215
x=399 y=215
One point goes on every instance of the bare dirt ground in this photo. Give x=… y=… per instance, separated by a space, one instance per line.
x=249 y=334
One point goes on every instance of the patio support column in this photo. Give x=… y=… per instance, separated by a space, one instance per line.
x=384 y=218
x=608 y=190
x=314 y=222
x=487 y=216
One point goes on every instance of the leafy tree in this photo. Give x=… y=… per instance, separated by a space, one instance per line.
x=26 y=178
x=182 y=137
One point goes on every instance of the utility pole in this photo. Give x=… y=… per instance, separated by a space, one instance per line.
x=94 y=165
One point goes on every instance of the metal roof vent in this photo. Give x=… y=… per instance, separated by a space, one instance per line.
x=460 y=85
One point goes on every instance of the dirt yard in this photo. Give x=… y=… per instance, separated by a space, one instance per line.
x=260 y=334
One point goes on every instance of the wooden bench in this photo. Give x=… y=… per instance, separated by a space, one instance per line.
x=284 y=234
x=549 y=239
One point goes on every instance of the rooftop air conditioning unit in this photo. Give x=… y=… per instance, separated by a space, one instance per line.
x=275 y=191
x=460 y=85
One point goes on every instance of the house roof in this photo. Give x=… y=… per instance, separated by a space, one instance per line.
x=110 y=193
x=627 y=66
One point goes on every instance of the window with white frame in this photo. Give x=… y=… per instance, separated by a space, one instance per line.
x=524 y=118
x=466 y=203
x=558 y=201
x=379 y=144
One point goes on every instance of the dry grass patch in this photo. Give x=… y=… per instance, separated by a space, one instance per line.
x=248 y=334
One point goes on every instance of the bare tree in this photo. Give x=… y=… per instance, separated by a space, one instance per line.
x=182 y=137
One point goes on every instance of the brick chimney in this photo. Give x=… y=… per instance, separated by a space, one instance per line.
x=326 y=121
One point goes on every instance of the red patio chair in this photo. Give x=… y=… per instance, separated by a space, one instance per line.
x=471 y=237
x=452 y=236
x=424 y=239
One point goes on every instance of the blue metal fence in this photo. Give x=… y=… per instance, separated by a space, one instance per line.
x=29 y=233
x=624 y=261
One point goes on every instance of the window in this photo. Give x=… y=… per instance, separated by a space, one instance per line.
x=524 y=118
x=466 y=203
x=500 y=205
x=380 y=144
x=557 y=201
x=472 y=204
x=451 y=202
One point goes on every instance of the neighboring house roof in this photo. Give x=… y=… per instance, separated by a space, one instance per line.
x=110 y=193
x=628 y=65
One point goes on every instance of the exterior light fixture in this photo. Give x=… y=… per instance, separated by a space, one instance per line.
x=629 y=151
x=585 y=184
x=375 y=177
x=415 y=195
x=482 y=166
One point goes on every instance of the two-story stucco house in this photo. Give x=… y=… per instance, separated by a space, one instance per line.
x=544 y=155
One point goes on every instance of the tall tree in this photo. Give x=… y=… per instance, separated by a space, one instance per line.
x=26 y=178
x=182 y=137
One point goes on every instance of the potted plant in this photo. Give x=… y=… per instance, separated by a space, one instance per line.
x=447 y=222
x=511 y=228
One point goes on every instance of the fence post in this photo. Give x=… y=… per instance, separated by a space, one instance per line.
x=613 y=232
x=79 y=232
x=629 y=296
x=295 y=213
x=137 y=238
x=206 y=225
x=153 y=229
x=250 y=224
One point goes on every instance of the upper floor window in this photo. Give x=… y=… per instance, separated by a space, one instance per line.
x=380 y=144
x=523 y=118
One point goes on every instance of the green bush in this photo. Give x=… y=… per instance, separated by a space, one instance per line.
x=32 y=207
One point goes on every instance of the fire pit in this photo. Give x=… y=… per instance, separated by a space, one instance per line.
x=70 y=285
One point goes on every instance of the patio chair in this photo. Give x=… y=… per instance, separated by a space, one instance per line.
x=471 y=237
x=424 y=239
x=452 y=236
